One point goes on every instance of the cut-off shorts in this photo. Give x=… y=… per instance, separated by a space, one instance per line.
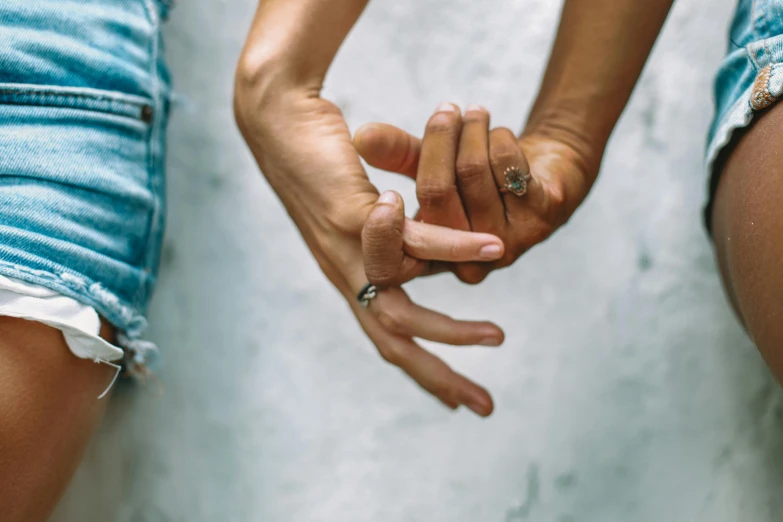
x=84 y=95
x=749 y=80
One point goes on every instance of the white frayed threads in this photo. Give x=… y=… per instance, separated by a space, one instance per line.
x=138 y=354
x=75 y=281
x=117 y=367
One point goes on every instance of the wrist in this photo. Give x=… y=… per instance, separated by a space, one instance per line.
x=566 y=126
x=262 y=83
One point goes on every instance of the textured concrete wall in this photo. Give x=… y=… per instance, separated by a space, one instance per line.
x=625 y=391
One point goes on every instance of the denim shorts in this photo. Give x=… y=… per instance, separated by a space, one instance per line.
x=84 y=96
x=749 y=80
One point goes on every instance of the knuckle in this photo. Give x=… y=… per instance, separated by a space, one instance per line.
x=440 y=390
x=392 y=354
x=500 y=134
x=557 y=196
x=391 y=321
x=471 y=172
x=504 y=156
x=443 y=123
x=542 y=231
x=432 y=195
x=381 y=276
x=536 y=231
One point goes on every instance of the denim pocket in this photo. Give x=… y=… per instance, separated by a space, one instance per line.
x=75 y=181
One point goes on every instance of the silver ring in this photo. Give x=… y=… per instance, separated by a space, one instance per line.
x=367 y=294
x=516 y=182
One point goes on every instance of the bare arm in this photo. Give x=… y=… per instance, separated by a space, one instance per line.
x=296 y=41
x=599 y=53
x=304 y=148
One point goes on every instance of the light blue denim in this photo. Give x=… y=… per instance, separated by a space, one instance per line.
x=755 y=53
x=83 y=107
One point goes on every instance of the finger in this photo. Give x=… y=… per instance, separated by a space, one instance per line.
x=424 y=241
x=385 y=262
x=389 y=148
x=429 y=372
x=436 y=187
x=477 y=188
x=398 y=314
x=397 y=249
x=504 y=154
x=435 y=376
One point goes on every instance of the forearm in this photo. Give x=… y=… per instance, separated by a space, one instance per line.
x=292 y=43
x=300 y=141
x=599 y=53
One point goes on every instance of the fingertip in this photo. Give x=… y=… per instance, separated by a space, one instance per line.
x=389 y=197
x=493 y=335
x=364 y=136
x=481 y=405
x=476 y=114
x=491 y=252
x=384 y=222
x=492 y=248
x=502 y=336
x=446 y=115
x=448 y=107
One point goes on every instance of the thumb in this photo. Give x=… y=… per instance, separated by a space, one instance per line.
x=385 y=262
x=396 y=249
x=388 y=148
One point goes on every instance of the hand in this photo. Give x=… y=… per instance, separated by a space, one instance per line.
x=303 y=146
x=459 y=170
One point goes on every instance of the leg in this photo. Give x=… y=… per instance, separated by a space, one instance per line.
x=48 y=409
x=748 y=233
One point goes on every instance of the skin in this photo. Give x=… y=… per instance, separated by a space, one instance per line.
x=297 y=137
x=464 y=224
x=49 y=407
x=747 y=222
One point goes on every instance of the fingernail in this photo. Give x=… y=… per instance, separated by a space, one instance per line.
x=490 y=252
x=475 y=107
x=389 y=198
x=490 y=341
x=445 y=107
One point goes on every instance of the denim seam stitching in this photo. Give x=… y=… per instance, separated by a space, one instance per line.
x=751 y=51
x=154 y=133
x=27 y=96
x=133 y=115
x=80 y=95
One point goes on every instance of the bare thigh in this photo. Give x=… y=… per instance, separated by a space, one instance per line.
x=48 y=410
x=748 y=233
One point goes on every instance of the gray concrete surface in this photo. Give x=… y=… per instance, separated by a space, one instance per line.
x=625 y=392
